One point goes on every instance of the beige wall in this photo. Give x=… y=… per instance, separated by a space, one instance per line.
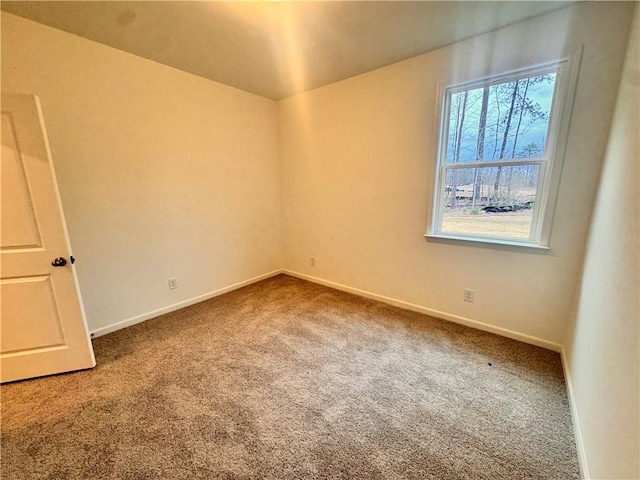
x=357 y=160
x=162 y=173
x=602 y=346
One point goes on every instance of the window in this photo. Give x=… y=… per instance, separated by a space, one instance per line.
x=497 y=148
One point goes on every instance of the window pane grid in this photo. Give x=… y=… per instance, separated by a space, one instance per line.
x=491 y=201
x=496 y=144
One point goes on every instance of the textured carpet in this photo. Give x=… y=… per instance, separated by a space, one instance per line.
x=286 y=379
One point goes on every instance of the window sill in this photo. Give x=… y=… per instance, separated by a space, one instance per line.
x=487 y=242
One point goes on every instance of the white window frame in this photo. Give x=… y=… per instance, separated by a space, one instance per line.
x=550 y=162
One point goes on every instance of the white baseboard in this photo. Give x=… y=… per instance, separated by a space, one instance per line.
x=539 y=342
x=582 y=458
x=582 y=455
x=176 y=306
x=362 y=293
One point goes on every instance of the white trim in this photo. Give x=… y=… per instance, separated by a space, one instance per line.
x=98 y=332
x=566 y=70
x=491 y=80
x=504 y=332
x=492 y=240
x=577 y=432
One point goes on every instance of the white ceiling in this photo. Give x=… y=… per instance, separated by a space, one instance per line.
x=278 y=49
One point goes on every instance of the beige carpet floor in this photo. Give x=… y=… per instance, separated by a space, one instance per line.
x=285 y=379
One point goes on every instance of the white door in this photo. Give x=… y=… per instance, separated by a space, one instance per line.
x=42 y=325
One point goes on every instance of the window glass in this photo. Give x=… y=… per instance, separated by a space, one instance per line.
x=496 y=155
x=490 y=201
x=507 y=120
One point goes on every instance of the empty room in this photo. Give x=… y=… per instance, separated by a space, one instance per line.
x=320 y=240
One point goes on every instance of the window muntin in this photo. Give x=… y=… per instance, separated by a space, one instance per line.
x=501 y=184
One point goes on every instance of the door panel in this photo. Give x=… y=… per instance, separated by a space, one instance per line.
x=18 y=223
x=23 y=328
x=42 y=325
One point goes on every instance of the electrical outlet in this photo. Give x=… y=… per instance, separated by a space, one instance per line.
x=468 y=295
x=312 y=261
x=173 y=284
